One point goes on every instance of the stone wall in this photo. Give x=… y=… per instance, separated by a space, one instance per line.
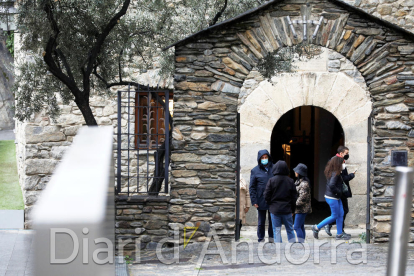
x=212 y=67
x=6 y=84
x=399 y=12
x=143 y=218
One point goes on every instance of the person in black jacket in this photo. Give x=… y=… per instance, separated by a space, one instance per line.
x=343 y=152
x=259 y=176
x=333 y=196
x=280 y=194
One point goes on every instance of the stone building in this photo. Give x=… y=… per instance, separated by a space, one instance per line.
x=357 y=92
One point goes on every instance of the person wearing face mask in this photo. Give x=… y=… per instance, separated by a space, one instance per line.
x=259 y=176
x=343 y=152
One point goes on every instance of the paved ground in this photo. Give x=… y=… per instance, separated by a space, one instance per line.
x=7 y=135
x=16 y=258
x=290 y=264
x=15 y=246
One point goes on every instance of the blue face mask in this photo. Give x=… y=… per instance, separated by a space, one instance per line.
x=264 y=161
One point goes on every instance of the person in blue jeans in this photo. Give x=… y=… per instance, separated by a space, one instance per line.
x=303 y=203
x=280 y=195
x=259 y=176
x=333 y=195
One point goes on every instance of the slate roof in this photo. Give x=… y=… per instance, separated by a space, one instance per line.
x=341 y=4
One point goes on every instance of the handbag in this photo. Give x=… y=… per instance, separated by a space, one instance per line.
x=344 y=187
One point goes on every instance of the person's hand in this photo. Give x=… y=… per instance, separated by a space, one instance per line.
x=257 y=206
x=246 y=209
x=292 y=214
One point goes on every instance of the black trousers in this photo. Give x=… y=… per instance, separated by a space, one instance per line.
x=346 y=211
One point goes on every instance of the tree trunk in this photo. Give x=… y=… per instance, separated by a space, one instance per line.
x=87 y=114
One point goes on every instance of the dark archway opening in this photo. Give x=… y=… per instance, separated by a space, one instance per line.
x=308 y=135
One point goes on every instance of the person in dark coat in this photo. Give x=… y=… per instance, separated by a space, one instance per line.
x=333 y=196
x=303 y=203
x=259 y=176
x=280 y=194
x=343 y=152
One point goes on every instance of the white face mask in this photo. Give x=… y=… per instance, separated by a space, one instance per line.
x=343 y=166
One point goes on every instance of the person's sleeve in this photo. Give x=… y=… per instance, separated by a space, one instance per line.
x=293 y=198
x=268 y=191
x=332 y=186
x=253 y=188
x=348 y=177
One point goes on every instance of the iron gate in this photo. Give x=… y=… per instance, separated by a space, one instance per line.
x=143 y=141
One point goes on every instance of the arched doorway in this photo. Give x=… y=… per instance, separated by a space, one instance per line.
x=309 y=135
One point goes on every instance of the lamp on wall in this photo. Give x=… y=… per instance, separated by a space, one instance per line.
x=7 y=14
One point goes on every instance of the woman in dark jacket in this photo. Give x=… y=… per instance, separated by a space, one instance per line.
x=333 y=195
x=303 y=203
x=280 y=195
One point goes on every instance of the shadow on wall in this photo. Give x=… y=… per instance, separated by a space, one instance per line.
x=6 y=84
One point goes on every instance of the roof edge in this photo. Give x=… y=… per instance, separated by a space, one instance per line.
x=349 y=7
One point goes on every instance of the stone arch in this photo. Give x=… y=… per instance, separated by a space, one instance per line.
x=263 y=103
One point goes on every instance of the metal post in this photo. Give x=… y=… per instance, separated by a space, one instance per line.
x=167 y=138
x=368 y=207
x=237 y=236
x=401 y=221
x=118 y=152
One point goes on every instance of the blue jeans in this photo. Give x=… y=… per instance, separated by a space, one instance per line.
x=287 y=221
x=337 y=214
x=299 y=227
x=261 y=225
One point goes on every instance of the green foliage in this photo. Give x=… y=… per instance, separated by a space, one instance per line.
x=282 y=59
x=128 y=259
x=363 y=236
x=10 y=193
x=74 y=29
x=10 y=42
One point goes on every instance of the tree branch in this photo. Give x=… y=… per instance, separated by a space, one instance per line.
x=219 y=14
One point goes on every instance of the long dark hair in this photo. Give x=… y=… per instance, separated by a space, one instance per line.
x=303 y=178
x=334 y=166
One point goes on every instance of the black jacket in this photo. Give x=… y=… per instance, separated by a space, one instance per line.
x=347 y=177
x=334 y=186
x=258 y=180
x=280 y=192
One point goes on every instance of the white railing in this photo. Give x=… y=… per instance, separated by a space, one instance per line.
x=74 y=218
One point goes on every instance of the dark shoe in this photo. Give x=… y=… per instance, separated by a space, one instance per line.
x=343 y=236
x=315 y=232
x=261 y=240
x=328 y=229
x=271 y=240
x=343 y=232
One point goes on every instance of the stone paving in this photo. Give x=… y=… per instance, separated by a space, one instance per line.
x=15 y=252
x=16 y=258
x=263 y=265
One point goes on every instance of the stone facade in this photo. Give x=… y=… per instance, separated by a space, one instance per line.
x=215 y=68
x=215 y=77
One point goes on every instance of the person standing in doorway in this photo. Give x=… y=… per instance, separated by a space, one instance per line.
x=259 y=176
x=280 y=194
x=244 y=202
x=343 y=152
x=303 y=203
x=333 y=196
